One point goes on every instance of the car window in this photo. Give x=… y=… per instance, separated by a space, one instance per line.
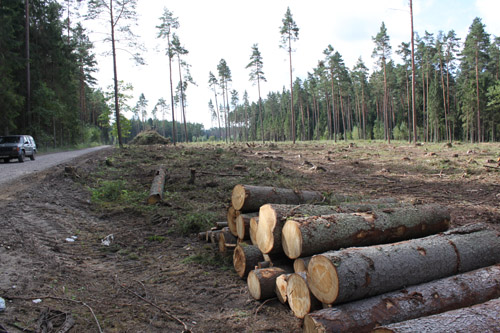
x=10 y=139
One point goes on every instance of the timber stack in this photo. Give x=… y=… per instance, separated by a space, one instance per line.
x=378 y=265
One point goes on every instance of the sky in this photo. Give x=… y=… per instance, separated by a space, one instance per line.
x=227 y=29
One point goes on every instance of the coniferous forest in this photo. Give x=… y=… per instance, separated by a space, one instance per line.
x=48 y=89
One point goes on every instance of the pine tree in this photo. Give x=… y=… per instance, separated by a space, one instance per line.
x=256 y=76
x=289 y=33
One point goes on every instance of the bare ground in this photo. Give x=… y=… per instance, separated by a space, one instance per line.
x=155 y=276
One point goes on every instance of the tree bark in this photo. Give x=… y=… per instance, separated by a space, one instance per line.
x=426 y=299
x=355 y=273
x=262 y=282
x=272 y=218
x=245 y=258
x=482 y=317
x=243 y=225
x=305 y=236
x=249 y=198
x=158 y=185
x=300 y=298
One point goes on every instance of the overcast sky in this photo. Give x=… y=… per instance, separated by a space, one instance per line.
x=216 y=29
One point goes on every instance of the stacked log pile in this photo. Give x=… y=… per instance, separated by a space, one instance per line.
x=369 y=265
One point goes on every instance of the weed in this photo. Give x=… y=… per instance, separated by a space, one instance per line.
x=194 y=222
x=156 y=238
x=209 y=258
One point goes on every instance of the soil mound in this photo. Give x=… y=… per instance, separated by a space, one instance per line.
x=150 y=137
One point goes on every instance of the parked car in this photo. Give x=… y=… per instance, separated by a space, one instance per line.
x=17 y=146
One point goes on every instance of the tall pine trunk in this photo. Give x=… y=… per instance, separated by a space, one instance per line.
x=115 y=75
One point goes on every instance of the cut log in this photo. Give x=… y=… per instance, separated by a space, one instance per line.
x=158 y=185
x=245 y=258
x=249 y=198
x=272 y=218
x=262 y=282
x=305 y=236
x=355 y=273
x=227 y=241
x=300 y=264
x=281 y=283
x=299 y=297
x=422 y=300
x=243 y=225
x=232 y=214
x=254 y=224
x=484 y=317
x=221 y=224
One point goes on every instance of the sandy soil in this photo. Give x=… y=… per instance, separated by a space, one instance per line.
x=156 y=276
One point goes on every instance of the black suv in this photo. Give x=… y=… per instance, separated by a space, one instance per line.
x=17 y=146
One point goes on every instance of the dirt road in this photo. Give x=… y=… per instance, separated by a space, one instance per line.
x=11 y=171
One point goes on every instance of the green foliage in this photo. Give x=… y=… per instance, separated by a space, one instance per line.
x=195 y=222
x=401 y=132
x=378 y=130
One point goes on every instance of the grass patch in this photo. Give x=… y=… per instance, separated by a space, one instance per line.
x=195 y=222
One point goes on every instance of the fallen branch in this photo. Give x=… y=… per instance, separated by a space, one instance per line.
x=492 y=167
x=60 y=299
x=171 y=316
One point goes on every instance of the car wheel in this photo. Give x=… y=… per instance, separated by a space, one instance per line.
x=32 y=156
x=21 y=157
x=6 y=160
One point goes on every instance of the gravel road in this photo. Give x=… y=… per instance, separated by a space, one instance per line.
x=13 y=170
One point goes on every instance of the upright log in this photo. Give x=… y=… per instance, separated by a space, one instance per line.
x=158 y=186
x=299 y=297
x=249 y=198
x=243 y=225
x=355 y=273
x=272 y=218
x=484 y=317
x=245 y=258
x=304 y=236
x=262 y=282
x=422 y=300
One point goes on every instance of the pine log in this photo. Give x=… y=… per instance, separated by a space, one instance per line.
x=355 y=273
x=227 y=241
x=484 y=317
x=422 y=300
x=232 y=214
x=299 y=297
x=262 y=282
x=245 y=258
x=305 y=236
x=158 y=186
x=272 y=218
x=254 y=224
x=249 y=198
x=221 y=225
x=243 y=225
x=281 y=283
x=300 y=264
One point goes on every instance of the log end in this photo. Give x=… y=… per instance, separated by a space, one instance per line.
x=154 y=199
x=239 y=261
x=267 y=222
x=281 y=283
x=254 y=224
x=232 y=214
x=238 y=196
x=291 y=239
x=298 y=295
x=254 y=285
x=323 y=279
x=300 y=264
x=312 y=326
